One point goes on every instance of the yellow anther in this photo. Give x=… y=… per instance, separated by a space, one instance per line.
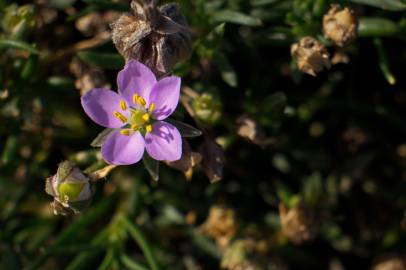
x=123 y=105
x=151 y=107
x=120 y=117
x=125 y=132
x=135 y=127
x=145 y=117
x=135 y=98
x=148 y=128
x=142 y=101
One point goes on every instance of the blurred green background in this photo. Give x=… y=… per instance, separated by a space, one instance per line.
x=314 y=169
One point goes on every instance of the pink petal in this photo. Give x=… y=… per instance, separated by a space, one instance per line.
x=135 y=78
x=123 y=150
x=164 y=142
x=165 y=96
x=100 y=104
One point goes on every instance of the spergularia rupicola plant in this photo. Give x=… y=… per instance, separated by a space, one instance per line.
x=136 y=113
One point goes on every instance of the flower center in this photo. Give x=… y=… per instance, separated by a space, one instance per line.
x=139 y=118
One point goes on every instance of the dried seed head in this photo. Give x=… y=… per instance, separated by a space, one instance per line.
x=220 y=225
x=156 y=36
x=311 y=56
x=298 y=223
x=340 y=25
x=70 y=188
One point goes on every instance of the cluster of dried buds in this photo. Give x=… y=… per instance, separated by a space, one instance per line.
x=340 y=27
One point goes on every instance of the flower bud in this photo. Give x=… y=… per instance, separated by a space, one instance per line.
x=311 y=56
x=207 y=108
x=340 y=25
x=159 y=37
x=70 y=188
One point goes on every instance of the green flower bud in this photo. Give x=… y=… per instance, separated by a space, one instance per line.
x=18 y=20
x=207 y=108
x=70 y=188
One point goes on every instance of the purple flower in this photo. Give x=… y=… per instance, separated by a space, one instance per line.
x=136 y=113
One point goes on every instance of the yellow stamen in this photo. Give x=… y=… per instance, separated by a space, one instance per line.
x=134 y=127
x=120 y=117
x=145 y=117
x=151 y=107
x=135 y=98
x=123 y=105
x=148 y=128
x=125 y=132
x=142 y=101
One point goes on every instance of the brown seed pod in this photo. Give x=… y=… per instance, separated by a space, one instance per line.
x=159 y=37
x=340 y=25
x=311 y=55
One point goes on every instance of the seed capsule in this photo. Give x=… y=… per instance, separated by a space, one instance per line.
x=159 y=37
x=311 y=56
x=340 y=25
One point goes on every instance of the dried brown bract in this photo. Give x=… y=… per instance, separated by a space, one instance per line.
x=187 y=162
x=213 y=159
x=340 y=25
x=250 y=130
x=311 y=56
x=157 y=36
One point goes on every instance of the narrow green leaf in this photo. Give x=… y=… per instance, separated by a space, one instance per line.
x=384 y=62
x=16 y=44
x=226 y=69
x=131 y=264
x=376 y=27
x=235 y=17
x=393 y=5
x=139 y=238
x=263 y=2
x=104 y=60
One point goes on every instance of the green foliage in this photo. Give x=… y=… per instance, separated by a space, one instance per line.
x=330 y=149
